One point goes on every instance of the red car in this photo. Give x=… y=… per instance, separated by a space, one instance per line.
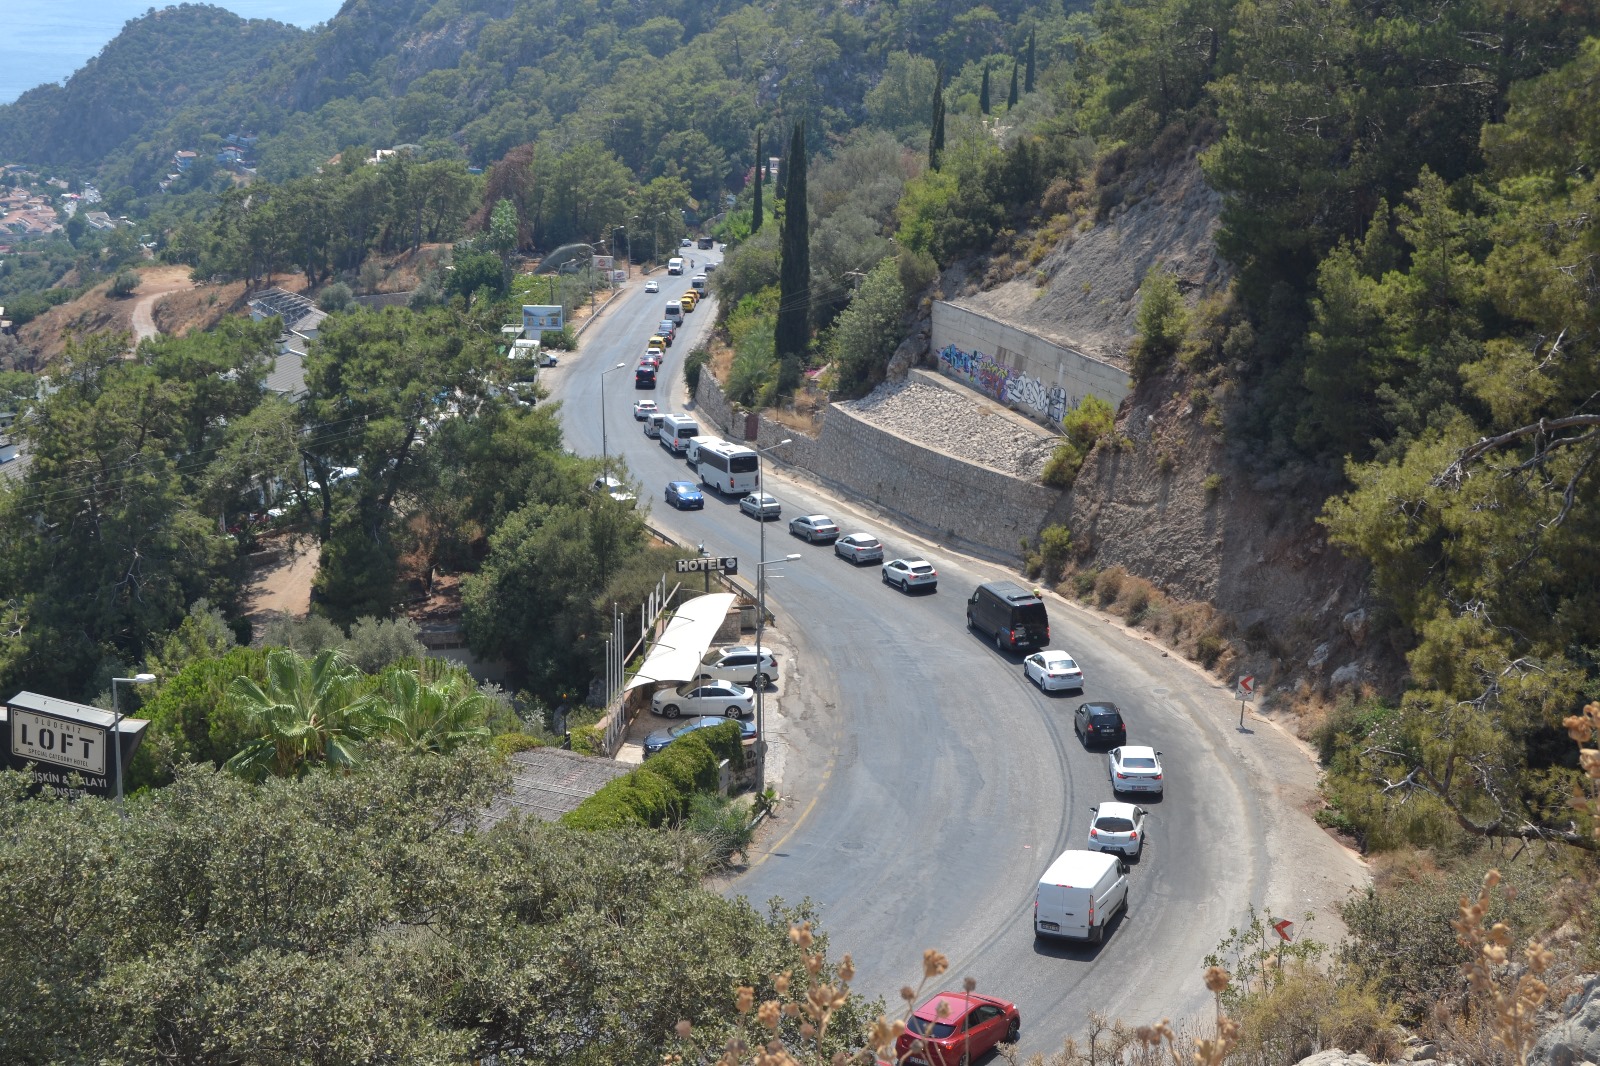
x=971 y=1026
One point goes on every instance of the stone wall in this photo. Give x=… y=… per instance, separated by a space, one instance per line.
x=1022 y=370
x=943 y=497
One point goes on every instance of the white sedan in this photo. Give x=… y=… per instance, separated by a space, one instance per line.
x=1117 y=827
x=643 y=409
x=859 y=548
x=908 y=574
x=1053 y=669
x=651 y=286
x=706 y=696
x=1135 y=768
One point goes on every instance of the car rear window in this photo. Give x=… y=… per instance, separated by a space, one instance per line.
x=922 y=569
x=1032 y=614
x=935 y=1029
x=1107 y=718
x=1114 y=825
x=1140 y=763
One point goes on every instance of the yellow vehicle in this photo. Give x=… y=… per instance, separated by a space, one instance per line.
x=689 y=299
x=658 y=343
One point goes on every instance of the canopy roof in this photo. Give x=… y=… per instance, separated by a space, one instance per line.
x=676 y=656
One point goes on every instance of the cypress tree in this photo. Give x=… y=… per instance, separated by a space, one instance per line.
x=936 y=134
x=1011 y=98
x=792 y=332
x=756 y=214
x=1027 y=81
x=983 y=93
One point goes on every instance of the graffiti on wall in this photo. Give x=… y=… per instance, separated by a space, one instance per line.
x=1007 y=384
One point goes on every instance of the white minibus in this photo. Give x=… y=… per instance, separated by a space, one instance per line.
x=729 y=468
x=676 y=433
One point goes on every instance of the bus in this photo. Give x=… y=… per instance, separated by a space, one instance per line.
x=692 y=452
x=729 y=468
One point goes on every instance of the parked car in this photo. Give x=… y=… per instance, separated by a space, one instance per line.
x=1115 y=826
x=643 y=409
x=651 y=357
x=1135 y=768
x=685 y=495
x=1053 y=669
x=613 y=488
x=1099 y=723
x=1012 y=615
x=859 y=548
x=667 y=328
x=740 y=663
x=815 y=528
x=661 y=337
x=910 y=574
x=760 y=506
x=704 y=696
x=651 y=286
x=662 y=737
x=957 y=1027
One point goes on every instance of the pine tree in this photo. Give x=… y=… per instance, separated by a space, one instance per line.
x=1027 y=81
x=983 y=93
x=1011 y=97
x=792 y=332
x=755 y=214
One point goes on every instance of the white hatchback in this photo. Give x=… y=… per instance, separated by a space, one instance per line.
x=1053 y=669
x=1117 y=826
x=1135 y=768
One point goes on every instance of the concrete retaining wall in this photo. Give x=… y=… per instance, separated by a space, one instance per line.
x=941 y=496
x=1027 y=373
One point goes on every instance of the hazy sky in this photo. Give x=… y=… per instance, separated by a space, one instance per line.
x=47 y=40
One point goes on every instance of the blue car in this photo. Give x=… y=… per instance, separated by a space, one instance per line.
x=685 y=495
x=661 y=738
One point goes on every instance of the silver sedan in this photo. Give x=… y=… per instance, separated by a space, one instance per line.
x=859 y=548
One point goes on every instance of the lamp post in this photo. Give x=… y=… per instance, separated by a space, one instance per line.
x=761 y=609
x=605 y=455
x=116 y=728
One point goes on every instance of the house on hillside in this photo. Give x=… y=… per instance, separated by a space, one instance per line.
x=301 y=320
x=182 y=158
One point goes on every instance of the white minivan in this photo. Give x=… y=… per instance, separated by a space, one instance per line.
x=692 y=453
x=676 y=433
x=1078 y=896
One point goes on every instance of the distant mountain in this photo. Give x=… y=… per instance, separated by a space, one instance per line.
x=168 y=61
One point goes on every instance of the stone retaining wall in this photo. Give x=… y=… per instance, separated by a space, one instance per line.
x=941 y=496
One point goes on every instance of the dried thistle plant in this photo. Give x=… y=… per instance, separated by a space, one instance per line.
x=1514 y=1006
x=1583 y=728
x=1208 y=1051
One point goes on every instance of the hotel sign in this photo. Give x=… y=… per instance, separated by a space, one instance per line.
x=73 y=745
x=66 y=747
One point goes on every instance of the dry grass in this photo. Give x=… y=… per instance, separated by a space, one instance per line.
x=1195 y=630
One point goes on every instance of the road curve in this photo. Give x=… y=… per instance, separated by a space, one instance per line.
x=928 y=785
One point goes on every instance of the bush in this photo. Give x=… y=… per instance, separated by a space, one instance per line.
x=1055 y=545
x=663 y=787
x=336 y=297
x=723 y=823
x=1304 y=1010
x=1107 y=586
x=375 y=643
x=1161 y=323
x=560 y=340
x=693 y=363
x=124 y=283
x=1061 y=472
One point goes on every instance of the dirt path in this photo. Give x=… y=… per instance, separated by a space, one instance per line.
x=154 y=286
x=281 y=584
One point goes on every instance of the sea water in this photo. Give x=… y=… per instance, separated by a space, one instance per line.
x=47 y=40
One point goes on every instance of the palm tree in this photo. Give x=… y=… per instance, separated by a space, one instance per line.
x=307 y=713
x=431 y=717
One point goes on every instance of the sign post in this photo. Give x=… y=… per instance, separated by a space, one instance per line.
x=1245 y=692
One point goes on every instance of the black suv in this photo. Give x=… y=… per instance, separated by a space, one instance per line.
x=1099 y=723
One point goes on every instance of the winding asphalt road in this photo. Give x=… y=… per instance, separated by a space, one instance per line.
x=928 y=784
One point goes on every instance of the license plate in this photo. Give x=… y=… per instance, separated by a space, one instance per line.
x=918 y=1059
x=1051 y=926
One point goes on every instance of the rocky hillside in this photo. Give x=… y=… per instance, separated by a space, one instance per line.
x=1168 y=499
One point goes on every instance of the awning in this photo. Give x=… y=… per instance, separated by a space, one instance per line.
x=676 y=656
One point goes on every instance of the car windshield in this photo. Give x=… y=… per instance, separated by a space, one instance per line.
x=935 y=1029
x=1114 y=825
x=1139 y=763
x=688 y=727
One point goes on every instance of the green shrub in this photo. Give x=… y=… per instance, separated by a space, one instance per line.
x=1083 y=583
x=1304 y=1009
x=1055 y=546
x=722 y=822
x=561 y=340
x=1161 y=323
x=124 y=283
x=587 y=740
x=693 y=363
x=511 y=743
x=1107 y=586
x=664 y=787
x=1061 y=472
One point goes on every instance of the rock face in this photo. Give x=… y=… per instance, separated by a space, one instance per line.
x=1577 y=1039
x=1335 y=1057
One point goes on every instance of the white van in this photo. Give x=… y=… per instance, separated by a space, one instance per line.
x=652 y=424
x=1079 y=894
x=692 y=452
x=675 y=265
x=675 y=311
x=676 y=433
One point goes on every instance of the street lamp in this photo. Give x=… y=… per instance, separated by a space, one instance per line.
x=761 y=607
x=605 y=456
x=116 y=727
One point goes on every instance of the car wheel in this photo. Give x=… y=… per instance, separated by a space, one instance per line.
x=999 y=645
x=905 y=584
x=1014 y=1031
x=1099 y=935
x=670 y=710
x=733 y=712
x=970 y=624
x=885 y=575
x=760 y=681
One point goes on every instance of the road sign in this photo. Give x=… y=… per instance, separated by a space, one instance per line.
x=1246 y=689
x=726 y=564
x=1282 y=929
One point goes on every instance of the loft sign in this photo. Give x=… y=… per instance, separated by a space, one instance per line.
x=76 y=745
x=65 y=747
